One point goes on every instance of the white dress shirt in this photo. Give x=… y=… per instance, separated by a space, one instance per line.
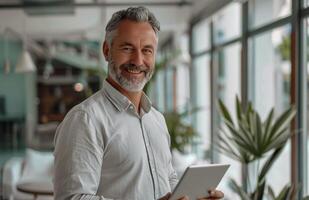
x=105 y=150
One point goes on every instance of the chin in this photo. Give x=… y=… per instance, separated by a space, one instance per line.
x=133 y=89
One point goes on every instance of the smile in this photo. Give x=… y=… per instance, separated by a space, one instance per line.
x=134 y=71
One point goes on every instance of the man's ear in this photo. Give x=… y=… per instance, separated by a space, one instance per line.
x=105 y=50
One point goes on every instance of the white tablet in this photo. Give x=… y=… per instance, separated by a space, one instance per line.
x=198 y=179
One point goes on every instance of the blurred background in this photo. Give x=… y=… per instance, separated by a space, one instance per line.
x=51 y=60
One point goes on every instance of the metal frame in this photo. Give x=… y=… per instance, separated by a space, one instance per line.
x=213 y=94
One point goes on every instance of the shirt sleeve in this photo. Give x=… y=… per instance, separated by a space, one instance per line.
x=172 y=174
x=78 y=158
x=173 y=179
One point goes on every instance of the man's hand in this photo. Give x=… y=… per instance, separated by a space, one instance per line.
x=213 y=195
x=168 y=195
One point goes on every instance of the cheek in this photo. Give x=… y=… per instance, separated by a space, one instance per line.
x=150 y=62
x=119 y=60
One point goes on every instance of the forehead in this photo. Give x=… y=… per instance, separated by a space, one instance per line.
x=135 y=32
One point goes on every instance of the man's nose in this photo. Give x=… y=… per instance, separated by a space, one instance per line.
x=137 y=58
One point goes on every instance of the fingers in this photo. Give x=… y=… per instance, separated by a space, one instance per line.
x=184 y=198
x=213 y=195
x=166 y=197
x=217 y=194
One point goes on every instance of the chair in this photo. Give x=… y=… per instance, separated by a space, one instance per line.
x=33 y=167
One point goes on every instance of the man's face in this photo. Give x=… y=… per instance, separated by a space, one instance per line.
x=131 y=55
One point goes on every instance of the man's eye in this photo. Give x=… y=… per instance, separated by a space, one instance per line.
x=127 y=49
x=147 y=51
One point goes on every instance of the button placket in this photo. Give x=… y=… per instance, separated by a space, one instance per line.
x=152 y=162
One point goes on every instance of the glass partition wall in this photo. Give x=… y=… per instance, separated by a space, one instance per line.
x=257 y=50
x=249 y=51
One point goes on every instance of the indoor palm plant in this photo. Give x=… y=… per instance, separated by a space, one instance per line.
x=248 y=139
x=181 y=133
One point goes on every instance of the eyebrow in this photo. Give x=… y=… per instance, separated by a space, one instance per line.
x=130 y=44
x=126 y=44
x=149 y=46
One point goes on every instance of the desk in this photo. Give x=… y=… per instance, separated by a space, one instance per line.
x=36 y=188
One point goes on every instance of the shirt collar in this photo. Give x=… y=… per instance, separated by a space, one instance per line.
x=121 y=102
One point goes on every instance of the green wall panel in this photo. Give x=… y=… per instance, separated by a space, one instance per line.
x=12 y=87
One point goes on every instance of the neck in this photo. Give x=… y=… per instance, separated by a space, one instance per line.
x=134 y=97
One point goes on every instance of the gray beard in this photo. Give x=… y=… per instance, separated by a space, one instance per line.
x=131 y=85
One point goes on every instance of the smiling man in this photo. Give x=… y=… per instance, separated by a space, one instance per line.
x=115 y=145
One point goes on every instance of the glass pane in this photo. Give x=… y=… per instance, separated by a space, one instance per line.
x=169 y=95
x=265 y=11
x=227 y=23
x=228 y=86
x=201 y=36
x=270 y=83
x=183 y=73
x=201 y=86
x=183 y=88
x=160 y=91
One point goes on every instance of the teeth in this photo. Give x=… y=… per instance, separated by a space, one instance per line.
x=134 y=71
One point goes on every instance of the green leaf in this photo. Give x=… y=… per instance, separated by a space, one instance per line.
x=271 y=193
x=283 y=121
x=225 y=112
x=259 y=192
x=285 y=193
x=227 y=147
x=239 y=110
x=237 y=189
x=267 y=125
x=268 y=164
x=259 y=136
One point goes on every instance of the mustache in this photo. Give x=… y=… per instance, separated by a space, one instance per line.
x=130 y=66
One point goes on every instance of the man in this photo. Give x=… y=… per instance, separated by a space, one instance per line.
x=115 y=145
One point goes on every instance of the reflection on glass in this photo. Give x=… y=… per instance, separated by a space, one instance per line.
x=270 y=83
x=227 y=23
x=201 y=86
x=228 y=86
x=265 y=11
x=201 y=36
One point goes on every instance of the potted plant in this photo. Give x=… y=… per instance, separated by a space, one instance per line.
x=248 y=139
x=182 y=135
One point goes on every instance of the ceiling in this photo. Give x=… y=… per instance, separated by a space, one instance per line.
x=86 y=19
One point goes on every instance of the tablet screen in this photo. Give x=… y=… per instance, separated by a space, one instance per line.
x=198 y=179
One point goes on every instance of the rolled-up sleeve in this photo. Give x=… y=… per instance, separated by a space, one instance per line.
x=78 y=158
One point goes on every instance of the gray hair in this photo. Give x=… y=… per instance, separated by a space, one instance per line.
x=137 y=14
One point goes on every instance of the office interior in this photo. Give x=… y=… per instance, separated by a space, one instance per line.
x=210 y=51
